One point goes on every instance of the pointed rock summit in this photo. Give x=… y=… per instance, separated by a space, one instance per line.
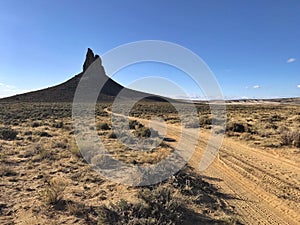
x=89 y=59
x=65 y=92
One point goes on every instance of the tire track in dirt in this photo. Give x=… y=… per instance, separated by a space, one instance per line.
x=254 y=204
x=266 y=207
x=275 y=185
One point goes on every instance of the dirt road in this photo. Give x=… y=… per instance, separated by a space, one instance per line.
x=265 y=189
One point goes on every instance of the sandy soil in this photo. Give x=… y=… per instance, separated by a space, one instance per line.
x=262 y=186
x=265 y=188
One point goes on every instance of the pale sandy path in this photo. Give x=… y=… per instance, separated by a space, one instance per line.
x=264 y=187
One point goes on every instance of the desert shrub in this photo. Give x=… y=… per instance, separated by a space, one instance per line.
x=230 y=221
x=192 y=124
x=7 y=133
x=246 y=136
x=103 y=126
x=27 y=133
x=296 y=141
x=297 y=118
x=7 y=171
x=275 y=118
x=44 y=154
x=146 y=132
x=286 y=138
x=44 y=134
x=126 y=139
x=283 y=129
x=41 y=153
x=54 y=193
x=74 y=149
x=58 y=124
x=291 y=138
x=162 y=205
x=271 y=126
x=120 y=213
x=205 y=120
x=36 y=124
x=112 y=135
x=158 y=206
x=134 y=124
x=265 y=133
x=76 y=209
x=60 y=144
x=236 y=127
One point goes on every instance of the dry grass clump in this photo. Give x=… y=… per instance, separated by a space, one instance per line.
x=73 y=148
x=76 y=209
x=63 y=144
x=291 y=138
x=7 y=171
x=54 y=193
x=230 y=221
x=41 y=153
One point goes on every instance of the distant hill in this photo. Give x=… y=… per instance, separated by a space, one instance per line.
x=292 y=101
x=65 y=92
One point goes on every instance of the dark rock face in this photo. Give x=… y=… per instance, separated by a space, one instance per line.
x=89 y=59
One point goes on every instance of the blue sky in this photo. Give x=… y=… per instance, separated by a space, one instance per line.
x=252 y=47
